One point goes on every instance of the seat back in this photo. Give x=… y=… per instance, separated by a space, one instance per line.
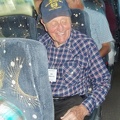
x=92 y=4
x=21 y=26
x=16 y=20
x=80 y=21
x=40 y=28
x=24 y=86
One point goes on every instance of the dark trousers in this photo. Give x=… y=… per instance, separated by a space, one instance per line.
x=62 y=106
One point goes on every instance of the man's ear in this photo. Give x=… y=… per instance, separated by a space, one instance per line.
x=43 y=24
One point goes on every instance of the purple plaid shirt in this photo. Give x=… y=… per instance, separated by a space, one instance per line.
x=78 y=65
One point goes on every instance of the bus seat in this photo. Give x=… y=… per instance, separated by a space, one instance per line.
x=25 y=91
x=40 y=28
x=92 y=4
x=80 y=21
x=18 y=26
x=16 y=19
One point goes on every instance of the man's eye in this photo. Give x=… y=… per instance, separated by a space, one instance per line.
x=64 y=21
x=54 y=24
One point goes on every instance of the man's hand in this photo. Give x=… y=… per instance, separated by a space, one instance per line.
x=76 y=113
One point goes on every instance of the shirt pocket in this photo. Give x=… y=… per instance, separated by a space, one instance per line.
x=72 y=72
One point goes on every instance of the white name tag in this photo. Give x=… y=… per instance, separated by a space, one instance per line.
x=52 y=73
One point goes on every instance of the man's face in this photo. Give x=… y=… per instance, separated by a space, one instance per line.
x=59 y=29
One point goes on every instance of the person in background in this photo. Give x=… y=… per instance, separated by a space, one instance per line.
x=40 y=28
x=100 y=31
x=99 y=6
x=37 y=3
x=74 y=64
x=25 y=91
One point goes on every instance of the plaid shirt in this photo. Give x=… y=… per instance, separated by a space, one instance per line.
x=78 y=65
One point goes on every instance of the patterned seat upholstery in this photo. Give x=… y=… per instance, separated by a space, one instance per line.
x=21 y=26
x=91 y=4
x=25 y=91
x=80 y=21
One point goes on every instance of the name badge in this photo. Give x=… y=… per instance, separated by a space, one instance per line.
x=52 y=73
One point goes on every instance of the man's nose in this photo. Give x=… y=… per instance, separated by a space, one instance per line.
x=60 y=27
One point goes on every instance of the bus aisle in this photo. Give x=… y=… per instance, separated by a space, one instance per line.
x=111 y=106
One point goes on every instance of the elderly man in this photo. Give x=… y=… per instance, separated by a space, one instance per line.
x=74 y=64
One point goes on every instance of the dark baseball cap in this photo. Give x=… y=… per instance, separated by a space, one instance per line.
x=50 y=9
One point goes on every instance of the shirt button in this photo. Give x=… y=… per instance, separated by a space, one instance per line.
x=70 y=50
x=72 y=73
x=89 y=89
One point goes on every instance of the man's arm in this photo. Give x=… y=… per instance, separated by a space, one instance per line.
x=105 y=49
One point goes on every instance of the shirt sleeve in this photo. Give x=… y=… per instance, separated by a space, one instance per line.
x=99 y=78
x=104 y=32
